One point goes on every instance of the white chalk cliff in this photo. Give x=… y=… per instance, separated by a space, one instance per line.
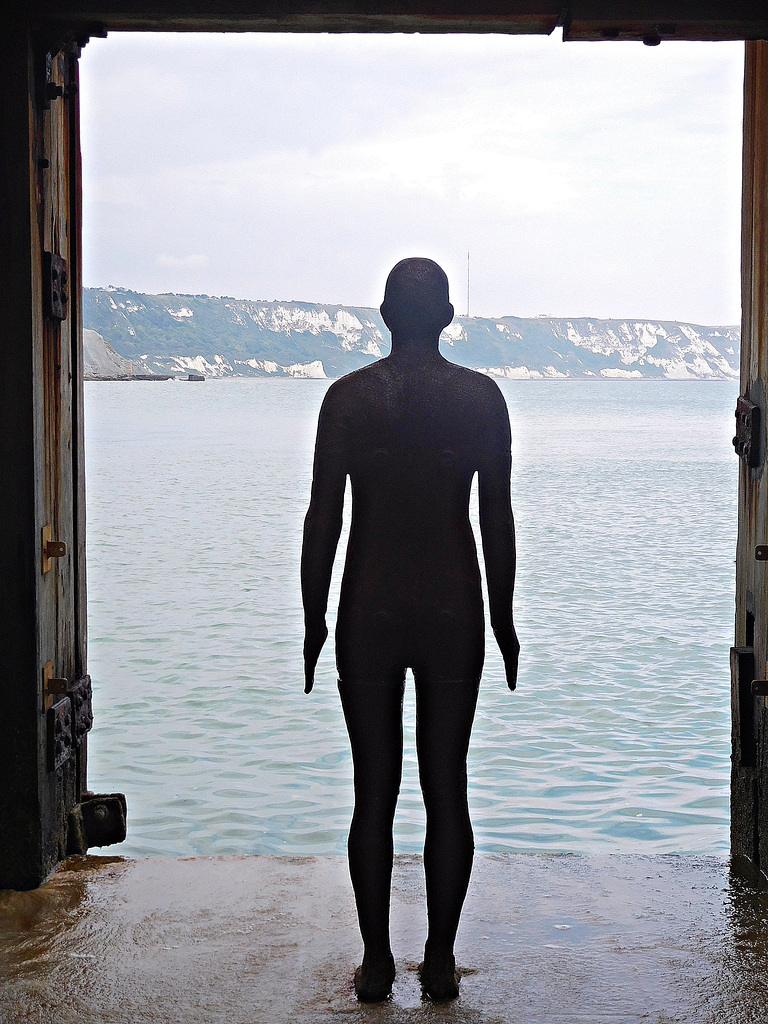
x=225 y=337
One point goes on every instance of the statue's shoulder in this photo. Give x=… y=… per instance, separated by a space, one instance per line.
x=479 y=379
x=359 y=377
x=349 y=387
x=481 y=402
x=475 y=382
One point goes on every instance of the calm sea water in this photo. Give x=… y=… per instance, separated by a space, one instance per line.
x=617 y=738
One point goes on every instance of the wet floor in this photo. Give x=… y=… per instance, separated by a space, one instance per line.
x=274 y=939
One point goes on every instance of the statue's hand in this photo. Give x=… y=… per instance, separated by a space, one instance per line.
x=314 y=638
x=509 y=645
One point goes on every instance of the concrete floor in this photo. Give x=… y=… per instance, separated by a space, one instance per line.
x=274 y=939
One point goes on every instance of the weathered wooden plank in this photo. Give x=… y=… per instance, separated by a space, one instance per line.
x=749 y=793
x=506 y=16
x=584 y=19
x=54 y=602
x=654 y=21
x=80 y=649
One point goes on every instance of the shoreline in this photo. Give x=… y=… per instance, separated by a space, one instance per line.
x=515 y=380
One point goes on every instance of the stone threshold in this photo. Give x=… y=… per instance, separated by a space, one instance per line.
x=246 y=940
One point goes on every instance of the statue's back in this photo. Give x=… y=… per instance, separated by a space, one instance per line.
x=413 y=437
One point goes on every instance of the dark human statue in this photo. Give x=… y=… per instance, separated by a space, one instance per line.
x=411 y=431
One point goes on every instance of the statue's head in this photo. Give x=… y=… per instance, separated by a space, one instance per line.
x=416 y=299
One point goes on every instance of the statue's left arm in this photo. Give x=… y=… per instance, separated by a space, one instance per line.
x=497 y=527
x=322 y=527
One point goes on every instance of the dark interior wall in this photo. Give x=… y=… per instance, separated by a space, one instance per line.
x=20 y=809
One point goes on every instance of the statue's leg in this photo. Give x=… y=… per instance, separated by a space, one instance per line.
x=445 y=709
x=373 y=710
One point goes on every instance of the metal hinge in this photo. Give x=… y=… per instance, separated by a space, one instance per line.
x=69 y=711
x=747 y=439
x=55 y=286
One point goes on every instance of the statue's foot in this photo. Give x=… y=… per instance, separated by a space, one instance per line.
x=439 y=978
x=373 y=979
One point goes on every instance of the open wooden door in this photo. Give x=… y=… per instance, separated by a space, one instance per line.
x=77 y=819
x=62 y=570
x=46 y=810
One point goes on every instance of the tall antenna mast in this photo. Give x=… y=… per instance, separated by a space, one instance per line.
x=467 y=282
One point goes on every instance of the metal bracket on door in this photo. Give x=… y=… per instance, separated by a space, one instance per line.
x=98 y=820
x=747 y=439
x=52 y=687
x=50 y=549
x=69 y=710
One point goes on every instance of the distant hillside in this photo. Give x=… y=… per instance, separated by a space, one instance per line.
x=225 y=337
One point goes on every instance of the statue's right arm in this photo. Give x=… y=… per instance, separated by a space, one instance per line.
x=322 y=527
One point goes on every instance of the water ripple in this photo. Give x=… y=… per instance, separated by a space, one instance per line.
x=618 y=736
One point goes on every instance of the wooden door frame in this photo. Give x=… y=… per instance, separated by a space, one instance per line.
x=29 y=847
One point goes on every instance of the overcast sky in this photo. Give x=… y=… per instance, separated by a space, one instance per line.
x=586 y=179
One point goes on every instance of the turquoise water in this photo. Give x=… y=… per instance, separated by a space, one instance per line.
x=617 y=738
